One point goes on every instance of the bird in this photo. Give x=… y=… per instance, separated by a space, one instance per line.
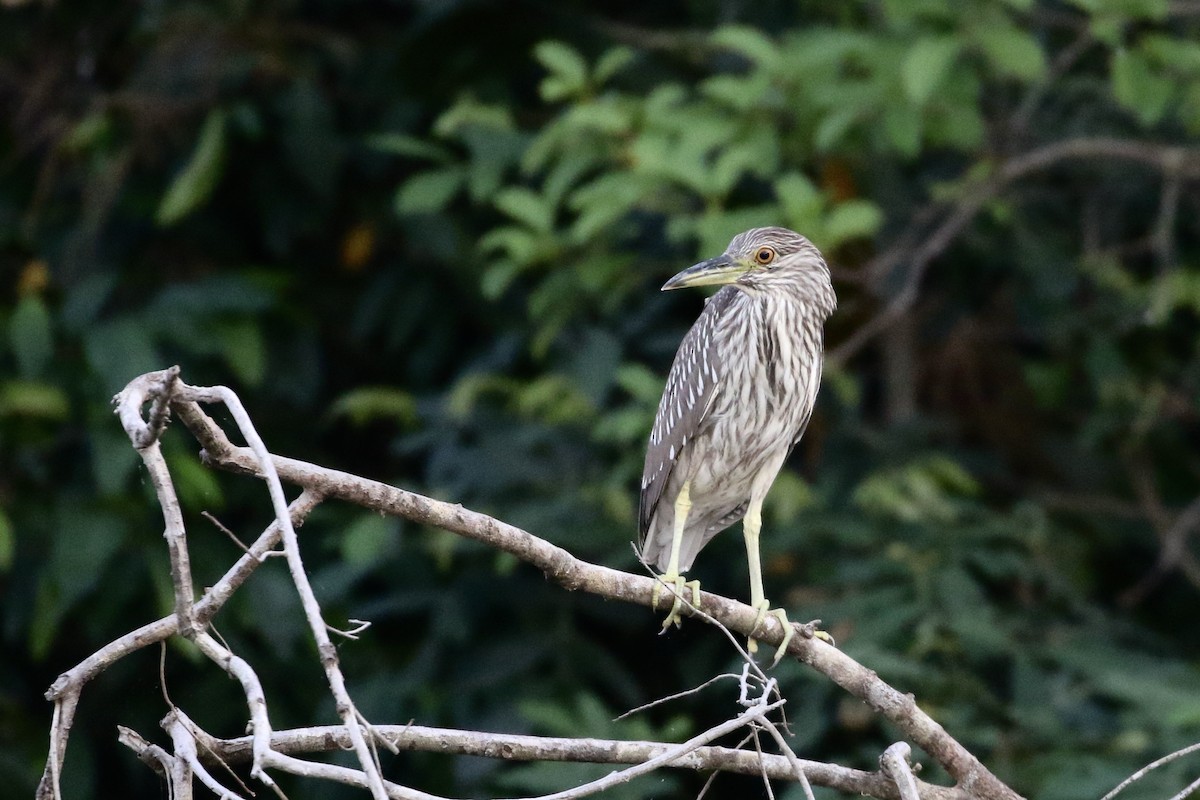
x=737 y=400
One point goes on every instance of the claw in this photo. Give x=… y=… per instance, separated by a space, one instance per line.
x=765 y=610
x=811 y=631
x=677 y=583
x=788 y=633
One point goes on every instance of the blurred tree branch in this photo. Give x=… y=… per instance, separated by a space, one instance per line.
x=915 y=250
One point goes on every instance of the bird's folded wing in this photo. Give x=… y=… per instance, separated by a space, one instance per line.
x=685 y=403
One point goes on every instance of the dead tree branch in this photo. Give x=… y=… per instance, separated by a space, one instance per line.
x=267 y=749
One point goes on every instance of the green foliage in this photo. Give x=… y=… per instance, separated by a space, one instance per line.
x=193 y=185
x=431 y=256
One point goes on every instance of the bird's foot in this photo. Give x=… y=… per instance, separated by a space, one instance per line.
x=678 y=584
x=765 y=610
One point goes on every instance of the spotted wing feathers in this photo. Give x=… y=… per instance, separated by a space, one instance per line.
x=685 y=403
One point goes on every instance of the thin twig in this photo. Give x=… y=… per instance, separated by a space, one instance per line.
x=1188 y=790
x=793 y=760
x=1153 y=765
x=676 y=696
x=670 y=754
x=233 y=537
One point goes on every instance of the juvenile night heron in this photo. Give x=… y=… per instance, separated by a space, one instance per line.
x=737 y=400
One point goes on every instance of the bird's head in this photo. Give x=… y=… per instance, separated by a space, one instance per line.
x=757 y=258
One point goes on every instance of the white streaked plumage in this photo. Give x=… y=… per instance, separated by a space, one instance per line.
x=739 y=394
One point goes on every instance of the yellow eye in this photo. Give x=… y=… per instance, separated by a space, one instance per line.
x=765 y=255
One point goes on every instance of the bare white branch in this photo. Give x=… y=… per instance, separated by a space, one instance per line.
x=308 y=598
x=517 y=747
x=894 y=762
x=577 y=575
x=185 y=751
x=1153 y=765
x=269 y=750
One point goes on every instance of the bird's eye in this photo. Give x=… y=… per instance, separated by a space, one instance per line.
x=765 y=255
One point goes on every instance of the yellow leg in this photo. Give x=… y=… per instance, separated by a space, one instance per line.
x=683 y=506
x=751 y=526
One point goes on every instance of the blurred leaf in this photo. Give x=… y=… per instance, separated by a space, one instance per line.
x=30 y=336
x=926 y=64
x=853 y=219
x=429 y=192
x=404 y=145
x=568 y=70
x=196 y=484
x=834 y=127
x=89 y=133
x=8 y=543
x=34 y=400
x=369 y=538
x=193 y=185
x=923 y=490
x=1138 y=87
x=1013 y=52
x=245 y=351
x=527 y=207
x=747 y=41
x=613 y=61
x=903 y=125
x=372 y=403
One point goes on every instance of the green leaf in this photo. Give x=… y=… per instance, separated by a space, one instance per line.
x=1189 y=108
x=499 y=276
x=1180 y=56
x=524 y=206
x=196 y=484
x=853 y=219
x=429 y=192
x=518 y=244
x=747 y=41
x=1138 y=87
x=33 y=400
x=1013 y=52
x=833 y=127
x=8 y=542
x=902 y=124
x=193 y=185
x=371 y=403
x=605 y=117
x=369 y=538
x=602 y=202
x=403 y=145
x=612 y=62
x=802 y=201
x=244 y=349
x=926 y=66
x=30 y=336
x=568 y=70
x=88 y=133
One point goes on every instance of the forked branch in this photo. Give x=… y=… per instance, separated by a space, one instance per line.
x=268 y=749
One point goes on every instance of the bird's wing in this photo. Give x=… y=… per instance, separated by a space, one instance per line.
x=685 y=403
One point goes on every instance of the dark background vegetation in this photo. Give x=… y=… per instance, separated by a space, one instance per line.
x=424 y=241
